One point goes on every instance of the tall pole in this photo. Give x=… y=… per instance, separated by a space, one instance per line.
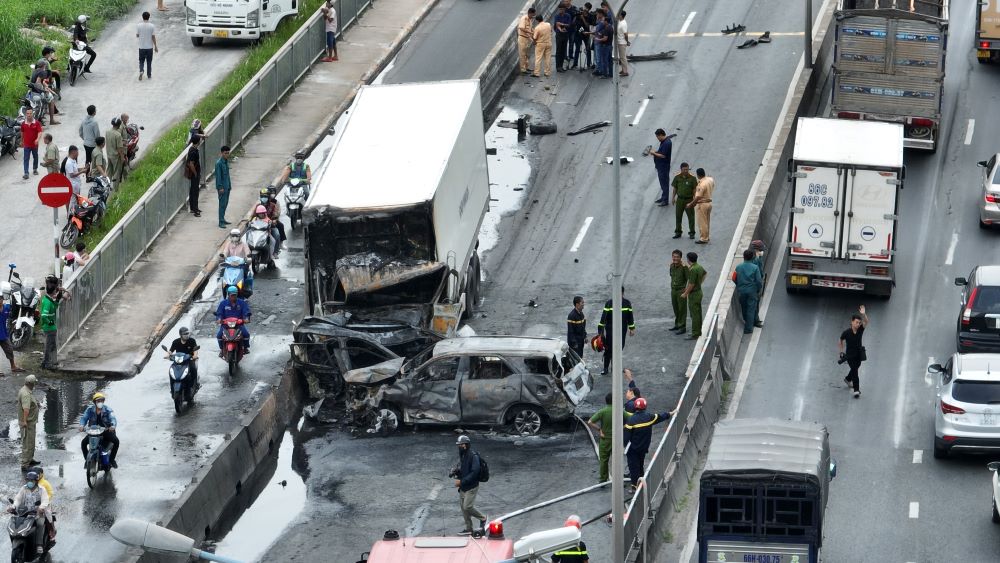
x=808 y=53
x=55 y=237
x=617 y=447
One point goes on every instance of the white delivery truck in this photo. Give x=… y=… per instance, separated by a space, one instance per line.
x=846 y=177
x=235 y=19
x=391 y=227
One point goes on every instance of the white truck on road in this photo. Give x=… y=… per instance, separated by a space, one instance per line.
x=247 y=20
x=392 y=226
x=846 y=177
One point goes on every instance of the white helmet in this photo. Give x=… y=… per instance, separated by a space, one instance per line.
x=82 y=18
x=234 y=233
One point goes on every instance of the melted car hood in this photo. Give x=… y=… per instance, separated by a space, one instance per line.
x=374 y=374
x=370 y=272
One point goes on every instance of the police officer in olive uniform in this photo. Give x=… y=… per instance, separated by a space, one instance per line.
x=695 y=277
x=604 y=328
x=684 y=184
x=576 y=553
x=576 y=326
x=678 y=281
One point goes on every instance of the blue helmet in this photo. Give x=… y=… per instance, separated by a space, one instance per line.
x=232 y=290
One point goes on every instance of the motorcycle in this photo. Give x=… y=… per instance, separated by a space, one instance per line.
x=234 y=272
x=88 y=211
x=77 y=54
x=23 y=309
x=182 y=382
x=132 y=147
x=10 y=135
x=37 y=98
x=258 y=238
x=232 y=343
x=21 y=529
x=296 y=195
x=98 y=454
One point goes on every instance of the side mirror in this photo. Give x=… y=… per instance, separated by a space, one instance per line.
x=935 y=368
x=981 y=163
x=164 y=348
x=961 y=281
x=833 y=469
x=223 y=256
x=993 y=466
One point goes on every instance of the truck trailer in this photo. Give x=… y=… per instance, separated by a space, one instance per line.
x=889 y=63
x=246 y=20
x=846 y=177
x=988 y=31
x=391 y=227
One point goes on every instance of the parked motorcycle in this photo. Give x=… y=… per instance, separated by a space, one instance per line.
x=132 y=146
x=183 y=385
x=88 y=211
x=234 y=272
x=21 y=529
x=232 y=343
x=258 y=239
x=10 y=135
x=77 y=56
x=37 y=98
x=23 y=309
x=98 y=455
x=296 y=195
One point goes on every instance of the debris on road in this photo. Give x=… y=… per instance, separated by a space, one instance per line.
x=588 y=128
x=661 y=56
x=735 y=28
x=624 y=159
x=747 y=44
x=542 y=128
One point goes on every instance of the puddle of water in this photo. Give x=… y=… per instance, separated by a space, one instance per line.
x=270 y=514
x=509 y=171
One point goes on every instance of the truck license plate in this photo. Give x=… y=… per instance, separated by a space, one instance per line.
x=220 y=33
x=983 y=54
x=839 y=284
x=798 y=280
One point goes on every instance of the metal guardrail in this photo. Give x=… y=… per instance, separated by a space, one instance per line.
x=134 y=234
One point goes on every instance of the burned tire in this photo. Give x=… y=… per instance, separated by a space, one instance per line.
x=526 y=419
x=542 y=128
x=388 y=420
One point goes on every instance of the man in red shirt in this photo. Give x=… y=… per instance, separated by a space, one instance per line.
x=31 y=129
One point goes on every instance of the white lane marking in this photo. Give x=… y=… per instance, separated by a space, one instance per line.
x=421 y=513
x=581 y=234
x=969 y=131
x=918 y=456
x=638 y=114
x=914 y=510
x=687 y=22
x=951 y=248
x=435 y=492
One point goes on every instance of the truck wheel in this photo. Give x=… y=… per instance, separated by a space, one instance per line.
x=197 y=41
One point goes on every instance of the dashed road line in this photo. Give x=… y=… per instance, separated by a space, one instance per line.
x=750 y=34
x=969 y=131
x=687 y=22
x=583 y=233
x=914 y=510
x=638 y=114
x=951 y=248
x=918 y=456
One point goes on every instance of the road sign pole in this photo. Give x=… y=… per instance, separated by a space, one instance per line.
x=55 y=238
x=55 y=190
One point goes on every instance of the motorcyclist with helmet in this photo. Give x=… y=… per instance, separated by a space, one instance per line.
x=80 y=34
x=298 y=168
x=189 y=346
x=260 y=213
x=232 y=307
x=43 y=483
x=98 y=414
x=270 y=201
x=236 y=246
x=31 y=497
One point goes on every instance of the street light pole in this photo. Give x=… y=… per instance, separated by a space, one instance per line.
x=157 y=539
x=808 y=53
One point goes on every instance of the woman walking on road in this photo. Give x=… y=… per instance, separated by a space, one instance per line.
x=852 y=350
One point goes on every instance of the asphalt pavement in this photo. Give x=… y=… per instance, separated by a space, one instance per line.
x=544 y=190
x=891 y=500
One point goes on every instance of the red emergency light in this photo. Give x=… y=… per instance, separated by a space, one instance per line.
x=495 y=529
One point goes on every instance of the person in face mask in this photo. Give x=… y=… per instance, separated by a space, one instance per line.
x=189 y=346
x=235 y=246
x=52 y=296
x=298 y=168
x=98 y=414
x=25 y=501
x=270 y=202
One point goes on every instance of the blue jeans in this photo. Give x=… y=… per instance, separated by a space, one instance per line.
x=748 y=304
x=28 y=153
x=599 y=51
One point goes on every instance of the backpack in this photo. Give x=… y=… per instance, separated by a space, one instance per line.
x=484 y=469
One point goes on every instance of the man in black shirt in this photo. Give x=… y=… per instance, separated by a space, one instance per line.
x=80 y=34
x=852 y=350
x=576 y=326
x=192 y=171
x=189 y=346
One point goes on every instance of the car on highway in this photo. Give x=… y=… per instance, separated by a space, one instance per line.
x=989 y=204
x=477 y=380
x=994 y=466
x=978 y=327
x=967 y=406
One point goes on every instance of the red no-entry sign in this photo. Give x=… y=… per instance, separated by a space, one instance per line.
x=55 y=190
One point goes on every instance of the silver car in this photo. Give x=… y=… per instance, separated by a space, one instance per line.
x=967 y=410
x=989 y=203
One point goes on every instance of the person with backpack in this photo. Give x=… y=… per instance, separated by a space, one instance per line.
x=471 y=471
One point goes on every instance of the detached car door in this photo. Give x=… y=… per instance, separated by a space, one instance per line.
x=491 y=385
x=434 y=391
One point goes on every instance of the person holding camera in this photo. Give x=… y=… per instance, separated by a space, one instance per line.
x=852 y=350
x=466 y=475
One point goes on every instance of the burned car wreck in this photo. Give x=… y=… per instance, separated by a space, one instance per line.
x=525 y=382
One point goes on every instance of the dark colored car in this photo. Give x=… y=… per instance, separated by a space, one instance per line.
x=979 y=318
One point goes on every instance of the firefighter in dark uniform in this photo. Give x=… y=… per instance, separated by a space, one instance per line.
x=638 y=434
x=604 y=327
x=575 y=554
x=576 y=326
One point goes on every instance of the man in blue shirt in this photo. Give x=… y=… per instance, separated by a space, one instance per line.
x=223 y=184
x=8 y=350
x=232 y=307
x=749 y=282
x=661 y=160
x=602 y=46
x=98 y=414
x=563 y=26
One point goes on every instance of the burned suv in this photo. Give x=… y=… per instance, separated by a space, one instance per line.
x=479 y=380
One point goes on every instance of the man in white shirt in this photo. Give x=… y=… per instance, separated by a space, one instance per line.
x=330 y=17
x=621 y=38
x=146 y=32
x=75 y=175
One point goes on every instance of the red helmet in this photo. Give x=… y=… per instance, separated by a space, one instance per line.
x=640 y=404
x=597 y=343
x=573 y=520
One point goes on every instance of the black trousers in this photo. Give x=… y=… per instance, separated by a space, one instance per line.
x=852 y=376
x=193 y=193
x=108 y=437
x=90 y=61
x=90 y=153
x=577 y=347
x=562 y=43
x=607 y=351
x=636 y=465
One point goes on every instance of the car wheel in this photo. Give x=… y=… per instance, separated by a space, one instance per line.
x=996 y=513
x=940 y=452
x=387 y=420
x=526 y=419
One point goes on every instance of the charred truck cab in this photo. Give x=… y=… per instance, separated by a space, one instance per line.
x=764 y=492
x=392 y=225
